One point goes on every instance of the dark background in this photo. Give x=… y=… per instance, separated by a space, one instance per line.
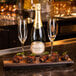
x=9 y=34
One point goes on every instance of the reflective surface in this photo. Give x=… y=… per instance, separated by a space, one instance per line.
x=48 y=71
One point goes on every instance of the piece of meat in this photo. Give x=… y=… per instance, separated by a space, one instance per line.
x=17 y=59
x=30 y=59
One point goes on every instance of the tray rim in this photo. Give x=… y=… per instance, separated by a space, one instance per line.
x=37 y=64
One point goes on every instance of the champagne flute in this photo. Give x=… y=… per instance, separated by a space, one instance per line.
x=52 y=31
x=22 y=32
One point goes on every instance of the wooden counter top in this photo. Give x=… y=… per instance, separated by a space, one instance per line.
x=48 y=44
x=62 y=42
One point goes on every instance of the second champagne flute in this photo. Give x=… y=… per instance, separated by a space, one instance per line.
x=22 y=32
x=52 y=31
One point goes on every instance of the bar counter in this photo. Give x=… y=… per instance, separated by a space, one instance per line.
x=61 y=45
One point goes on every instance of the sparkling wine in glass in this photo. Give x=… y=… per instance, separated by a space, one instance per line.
x=22 y=32
x=52 y=31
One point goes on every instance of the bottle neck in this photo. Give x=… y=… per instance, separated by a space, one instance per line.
x=38 y=21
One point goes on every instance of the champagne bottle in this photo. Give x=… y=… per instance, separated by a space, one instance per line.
x=38 y=34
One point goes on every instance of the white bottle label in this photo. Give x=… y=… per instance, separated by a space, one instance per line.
x=37 y=47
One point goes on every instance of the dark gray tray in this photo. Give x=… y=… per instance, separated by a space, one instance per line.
x=63 y=63
x=8 y=52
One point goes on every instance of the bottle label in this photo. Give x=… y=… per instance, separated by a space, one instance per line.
x=37 y=47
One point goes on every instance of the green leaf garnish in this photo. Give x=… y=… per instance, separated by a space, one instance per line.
x=32 y=54
x=46 y=53
x=56 y=52
x=64 y=53
x=19 y=54
x=22 y=53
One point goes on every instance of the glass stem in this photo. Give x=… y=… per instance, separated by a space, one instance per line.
x=51 y=47
x=22 y=48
